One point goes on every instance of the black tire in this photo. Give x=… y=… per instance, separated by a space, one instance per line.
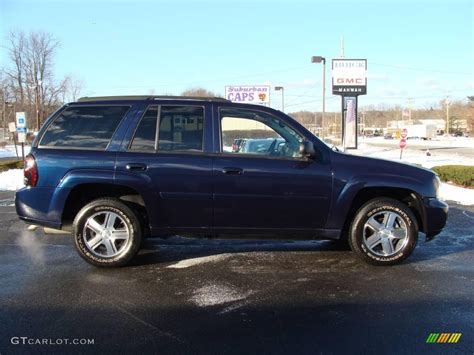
x=376 y=208
x=127 y=220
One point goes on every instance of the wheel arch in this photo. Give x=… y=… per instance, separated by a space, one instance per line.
x=404 y=195
x=83 y=193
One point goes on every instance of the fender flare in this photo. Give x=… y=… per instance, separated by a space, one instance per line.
x=344 y=199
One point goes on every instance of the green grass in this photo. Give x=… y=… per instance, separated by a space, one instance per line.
x=457 y=174
x=10 y=164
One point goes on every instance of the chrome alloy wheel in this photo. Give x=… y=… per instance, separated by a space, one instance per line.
x=106 y=235
x=385 y=233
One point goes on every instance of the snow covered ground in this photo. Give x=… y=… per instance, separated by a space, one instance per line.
x=9 y=151
x=413 y=156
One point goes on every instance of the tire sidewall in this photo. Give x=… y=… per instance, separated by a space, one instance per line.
x=128 y=217
x=372 y=208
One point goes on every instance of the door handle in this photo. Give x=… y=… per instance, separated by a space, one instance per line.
x=232 y=171
x=136 y=167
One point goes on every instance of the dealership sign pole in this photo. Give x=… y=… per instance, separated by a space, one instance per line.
x=349 y=80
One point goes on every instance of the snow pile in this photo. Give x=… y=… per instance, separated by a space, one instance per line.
x=11 y=180
x=458 y=194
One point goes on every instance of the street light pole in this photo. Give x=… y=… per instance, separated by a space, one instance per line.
x=319 y=59
x=278 y=88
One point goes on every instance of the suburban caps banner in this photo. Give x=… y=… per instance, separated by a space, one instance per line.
x=251 y=94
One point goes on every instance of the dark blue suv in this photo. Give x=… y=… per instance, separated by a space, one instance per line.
x=115 y=170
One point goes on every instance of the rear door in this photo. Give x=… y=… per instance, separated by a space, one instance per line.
x=165 y=157
x=267 y=184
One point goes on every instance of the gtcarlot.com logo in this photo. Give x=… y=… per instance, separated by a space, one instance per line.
x=50 y=341
x=442 y=338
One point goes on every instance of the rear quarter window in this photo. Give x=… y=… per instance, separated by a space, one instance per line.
x=89 y=127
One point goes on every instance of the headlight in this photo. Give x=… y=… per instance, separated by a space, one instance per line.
x=437 y=183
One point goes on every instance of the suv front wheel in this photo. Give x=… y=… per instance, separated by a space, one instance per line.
x=107 y=233
x=384 y=232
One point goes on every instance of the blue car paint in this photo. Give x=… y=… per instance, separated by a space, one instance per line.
x=188 y=192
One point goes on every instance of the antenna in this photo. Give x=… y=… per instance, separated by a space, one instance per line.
x=342 y=47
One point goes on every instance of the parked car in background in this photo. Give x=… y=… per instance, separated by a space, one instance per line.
x=237 y=144
x=270 y=146
x=115 y=170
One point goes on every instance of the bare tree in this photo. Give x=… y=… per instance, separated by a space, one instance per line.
x=31 y=76
x=73 y=89
x=16 y=51
x=201 y=92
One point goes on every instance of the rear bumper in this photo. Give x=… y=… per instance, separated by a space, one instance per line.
x=33 y=205
x=436 y=215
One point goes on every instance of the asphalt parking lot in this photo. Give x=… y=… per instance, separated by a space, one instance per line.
x=215 y=297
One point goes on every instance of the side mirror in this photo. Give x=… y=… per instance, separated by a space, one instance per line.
x=307 y=150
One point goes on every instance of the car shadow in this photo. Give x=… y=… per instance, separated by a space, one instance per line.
x=455 y=238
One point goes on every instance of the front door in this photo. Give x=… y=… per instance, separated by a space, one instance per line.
x=261 y=180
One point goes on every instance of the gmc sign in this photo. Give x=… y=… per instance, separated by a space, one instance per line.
x=349 y=77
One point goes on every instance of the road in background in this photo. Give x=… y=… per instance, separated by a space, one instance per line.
x=461 y=147
x=214 y=297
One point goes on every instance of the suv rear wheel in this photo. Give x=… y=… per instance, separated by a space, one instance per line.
x=107 y=233
x=384 y=232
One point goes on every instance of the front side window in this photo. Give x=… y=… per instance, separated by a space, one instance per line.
x=257 y=133
x=180 y=128
x=89 y=127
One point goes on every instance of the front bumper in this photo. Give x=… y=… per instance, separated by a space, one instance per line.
x=435 y=216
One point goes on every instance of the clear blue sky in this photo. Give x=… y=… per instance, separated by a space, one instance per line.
x=416 y=49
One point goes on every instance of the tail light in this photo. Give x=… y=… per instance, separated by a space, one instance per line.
x=30 y=171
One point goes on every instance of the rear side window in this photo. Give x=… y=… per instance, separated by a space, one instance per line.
x=84 y=127
x=180 y=129
x=145 y=134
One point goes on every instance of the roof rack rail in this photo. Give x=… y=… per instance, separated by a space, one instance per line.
x=147 y=97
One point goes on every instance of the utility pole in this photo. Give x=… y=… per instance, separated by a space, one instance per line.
x=4 y=116
x=447 y=116
x=409 y=111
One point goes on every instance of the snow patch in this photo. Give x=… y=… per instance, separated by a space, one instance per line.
x=212 y=295
x=11 y=180
x=198 y=261
x=457 y=194
x=9 y=151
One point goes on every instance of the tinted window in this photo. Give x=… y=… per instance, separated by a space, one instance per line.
x=145 y=134
x=181 y=128
x=253 y=132
x=84 y=127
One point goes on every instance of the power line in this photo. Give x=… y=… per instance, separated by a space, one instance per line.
x=400 y=67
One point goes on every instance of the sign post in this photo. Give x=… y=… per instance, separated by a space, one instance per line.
x=12 y=129
x=21 y=129
x=402 y=144
x=349 y=80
